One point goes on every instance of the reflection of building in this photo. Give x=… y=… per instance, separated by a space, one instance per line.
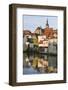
x=37 y=64
x=42 y=63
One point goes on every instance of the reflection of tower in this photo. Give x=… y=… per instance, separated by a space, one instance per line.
x=47 y=25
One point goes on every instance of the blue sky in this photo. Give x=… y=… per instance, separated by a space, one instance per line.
x=31 y=22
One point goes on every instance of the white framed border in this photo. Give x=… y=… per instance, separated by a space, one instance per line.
x=19 y=65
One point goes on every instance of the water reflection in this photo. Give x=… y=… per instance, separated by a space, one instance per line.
x=34 y=63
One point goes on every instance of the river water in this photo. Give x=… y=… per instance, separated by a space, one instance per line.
x=34 y=63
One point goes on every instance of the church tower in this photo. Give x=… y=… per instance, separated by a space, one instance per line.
x=47 y=25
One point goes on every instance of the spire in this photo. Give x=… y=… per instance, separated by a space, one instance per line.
x=47 y=25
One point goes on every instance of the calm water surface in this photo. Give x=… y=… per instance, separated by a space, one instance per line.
x=34 y=63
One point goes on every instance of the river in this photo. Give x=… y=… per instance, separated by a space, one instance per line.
x=34 y=63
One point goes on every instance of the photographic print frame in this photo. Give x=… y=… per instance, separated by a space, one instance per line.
x=15 y=56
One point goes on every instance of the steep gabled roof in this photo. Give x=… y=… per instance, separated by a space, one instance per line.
x=26 y=32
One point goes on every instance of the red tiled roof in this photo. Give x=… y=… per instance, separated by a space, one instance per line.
x=48 y=32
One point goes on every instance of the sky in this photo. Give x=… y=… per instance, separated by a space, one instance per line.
x=31 y=22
